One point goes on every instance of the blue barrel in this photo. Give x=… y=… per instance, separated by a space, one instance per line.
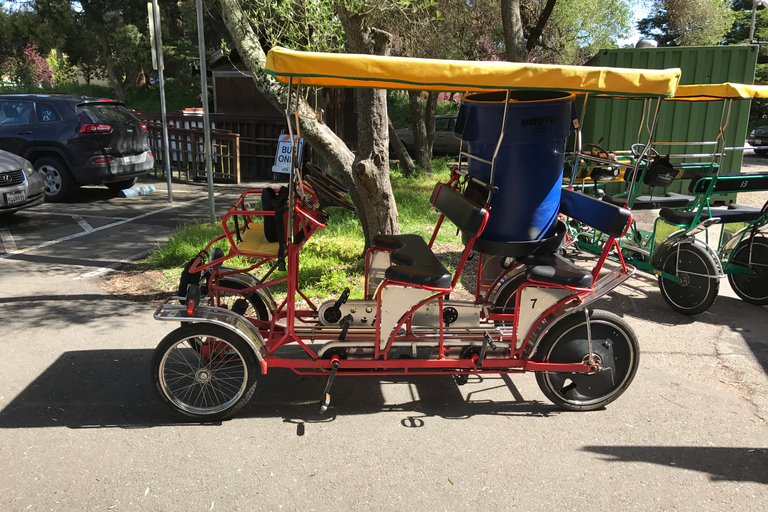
x=529 y=165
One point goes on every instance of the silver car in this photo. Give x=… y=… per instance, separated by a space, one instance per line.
x=20 y=186
x=445 y=141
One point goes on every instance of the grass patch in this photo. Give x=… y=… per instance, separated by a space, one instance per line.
x=333 y=258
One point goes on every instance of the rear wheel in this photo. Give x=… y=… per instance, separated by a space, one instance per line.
x=697 y=286
x=208 y=384
x=59 y=183
x=615 y=349
x=751 y=287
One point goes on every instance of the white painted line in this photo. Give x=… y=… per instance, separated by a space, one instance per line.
x=108 y=268
x=8 y=241
x=100 y=228
x=83 y=224
x=63 y=214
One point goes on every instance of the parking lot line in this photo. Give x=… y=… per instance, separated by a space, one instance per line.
x=108 y=268
x=62 y=214
x=83 y=224
x=100 y=228
x=8 y=242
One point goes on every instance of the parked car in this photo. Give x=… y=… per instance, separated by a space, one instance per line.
x=75 y=140
x=445 y=142
x=758 y=139
x=20 y=186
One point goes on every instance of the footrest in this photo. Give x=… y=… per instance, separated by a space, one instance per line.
x=413 y=262
x=554 y=269
x=734 y=213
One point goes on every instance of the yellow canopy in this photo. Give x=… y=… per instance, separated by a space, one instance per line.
x=349 y=70
x=710 y=92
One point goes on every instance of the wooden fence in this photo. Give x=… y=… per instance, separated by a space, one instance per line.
x=243 y=147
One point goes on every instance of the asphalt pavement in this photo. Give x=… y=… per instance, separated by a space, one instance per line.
x=81 y=428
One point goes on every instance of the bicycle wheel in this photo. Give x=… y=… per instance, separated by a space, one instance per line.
x=615 y=349
x=506 y=299
x=752 y=287
x=697 y=286
x=208 y=384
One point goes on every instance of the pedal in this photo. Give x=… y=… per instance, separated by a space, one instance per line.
x=487 y=341
x=345 y=323
x=325 y=401
x=333 y=313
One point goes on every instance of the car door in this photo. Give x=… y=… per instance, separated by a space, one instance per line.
x=445 y=141
x=17 y=128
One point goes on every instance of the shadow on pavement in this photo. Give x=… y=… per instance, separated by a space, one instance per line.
x=722 y=464
x=112 y=388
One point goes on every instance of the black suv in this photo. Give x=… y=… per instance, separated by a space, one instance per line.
x=75 y=140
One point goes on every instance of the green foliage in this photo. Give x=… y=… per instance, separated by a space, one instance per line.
x=63 y=71
x=688 y=22
x=297 y=24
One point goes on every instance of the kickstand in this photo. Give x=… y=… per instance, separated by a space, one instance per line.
x=325 y=401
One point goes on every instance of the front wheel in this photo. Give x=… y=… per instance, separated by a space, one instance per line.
x=697 y=284
x=614 y=348
x=208 y=383
x=58 y=180
x=751 y=287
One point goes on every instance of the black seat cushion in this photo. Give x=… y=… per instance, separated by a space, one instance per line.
x=553 y=268
x=734 y=213
x=413 y=262
x=651 y=202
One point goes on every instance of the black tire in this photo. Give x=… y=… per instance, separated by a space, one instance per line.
x=207 y=387
x=761 y=152
x=117 y=186
x=615 y=346
x=696 y=288
x=59 y=183
x=752 y=287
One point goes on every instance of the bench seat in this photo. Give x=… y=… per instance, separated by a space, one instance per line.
x=413 y=262
x=734 y=213
x=255 y=243
x=650 y=202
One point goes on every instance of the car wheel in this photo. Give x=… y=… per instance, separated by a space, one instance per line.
x=761 y=152
x=117 y=186
x=59 y=183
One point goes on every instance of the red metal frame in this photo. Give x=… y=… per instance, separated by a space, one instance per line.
x=290 y=324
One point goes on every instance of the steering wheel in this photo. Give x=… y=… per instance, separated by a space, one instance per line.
x=637 y=149
x=328 y=196
x=599 y=152
x=328 y=180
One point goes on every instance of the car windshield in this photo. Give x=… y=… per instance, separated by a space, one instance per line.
x=105 y=113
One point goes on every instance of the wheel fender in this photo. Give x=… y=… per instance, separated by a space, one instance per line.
x=248 y=281
x=669 y=245
x=217 y=316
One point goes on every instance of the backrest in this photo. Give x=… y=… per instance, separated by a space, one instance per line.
x=467 y=216
x=605 y=217
x=730 y=182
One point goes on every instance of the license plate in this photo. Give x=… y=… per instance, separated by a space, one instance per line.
x=12 y=198
x=758 y=142
x=135 y=159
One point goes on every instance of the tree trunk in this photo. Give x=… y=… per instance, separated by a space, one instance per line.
x=328 y=146
x=406 y=162
x=422 y=149
x=512 y=26
x=370 y=169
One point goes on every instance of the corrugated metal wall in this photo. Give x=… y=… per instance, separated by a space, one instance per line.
x=618 y=121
